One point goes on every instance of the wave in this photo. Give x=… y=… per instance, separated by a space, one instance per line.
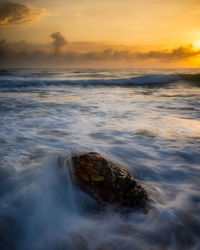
x=191 y=77
x=15 y=79
x=33 y=81
x=7 y=73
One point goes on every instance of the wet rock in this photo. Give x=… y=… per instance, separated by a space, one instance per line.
x=106 y=182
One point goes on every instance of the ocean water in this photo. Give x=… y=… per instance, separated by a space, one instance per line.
x=147 y=120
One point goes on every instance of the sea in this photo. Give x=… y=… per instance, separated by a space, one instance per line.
x=147 y=120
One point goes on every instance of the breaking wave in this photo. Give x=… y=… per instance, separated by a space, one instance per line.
x=12 y=80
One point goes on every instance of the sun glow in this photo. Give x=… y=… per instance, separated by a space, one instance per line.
x=196 y=44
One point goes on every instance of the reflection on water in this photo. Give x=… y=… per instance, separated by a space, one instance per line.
x=153 y=130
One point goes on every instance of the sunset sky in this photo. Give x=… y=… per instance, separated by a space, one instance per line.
x=136 y=26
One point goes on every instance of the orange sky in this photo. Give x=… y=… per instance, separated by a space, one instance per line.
x=133 y=25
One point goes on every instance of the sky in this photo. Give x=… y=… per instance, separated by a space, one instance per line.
x=125 y=32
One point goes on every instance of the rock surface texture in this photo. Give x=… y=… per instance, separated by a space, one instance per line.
x=106 y=182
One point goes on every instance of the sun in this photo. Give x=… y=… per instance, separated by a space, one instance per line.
x=196 y=44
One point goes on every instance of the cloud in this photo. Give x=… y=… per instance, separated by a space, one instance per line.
x=18 y=13
x=26 y=54
x=76 y=13
x=59 y=41
x=177 y=54
x=180 y=53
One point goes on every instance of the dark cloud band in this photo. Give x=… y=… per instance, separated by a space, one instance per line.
x=58 y=53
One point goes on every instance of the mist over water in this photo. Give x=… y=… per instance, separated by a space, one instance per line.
x=146 y=120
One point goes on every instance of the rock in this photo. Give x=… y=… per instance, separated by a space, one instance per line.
x=106 y=182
